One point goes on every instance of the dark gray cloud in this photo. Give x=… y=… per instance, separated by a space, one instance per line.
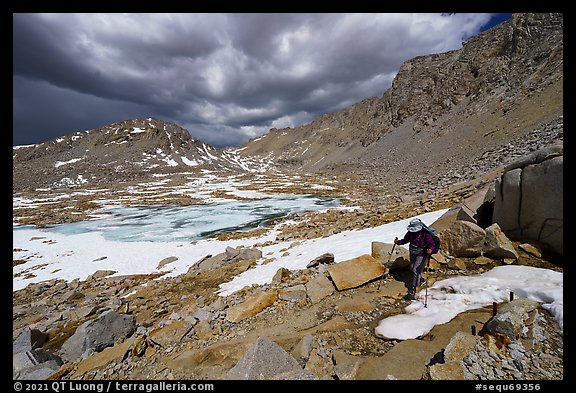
x=224 y=77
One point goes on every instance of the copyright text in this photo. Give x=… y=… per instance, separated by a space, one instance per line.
x=111 y=386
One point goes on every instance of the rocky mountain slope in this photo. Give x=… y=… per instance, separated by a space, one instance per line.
x=442 y=111
x=129 y=150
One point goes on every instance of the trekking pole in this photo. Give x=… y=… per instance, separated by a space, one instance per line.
x=426 y=292
x=387 y=263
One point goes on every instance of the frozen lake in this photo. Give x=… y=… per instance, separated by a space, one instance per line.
x=196 y=222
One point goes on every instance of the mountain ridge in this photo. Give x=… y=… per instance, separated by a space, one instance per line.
x=126 y=150
x=496 y=74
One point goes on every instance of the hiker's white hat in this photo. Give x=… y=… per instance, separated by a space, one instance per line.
x=414 y=226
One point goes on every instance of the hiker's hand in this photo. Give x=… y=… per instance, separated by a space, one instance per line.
x=395 y=240
x=429 y=251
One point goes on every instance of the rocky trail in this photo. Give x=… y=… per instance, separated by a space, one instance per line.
x=174 y=328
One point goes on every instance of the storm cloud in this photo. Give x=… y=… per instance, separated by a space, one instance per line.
x=224 y=77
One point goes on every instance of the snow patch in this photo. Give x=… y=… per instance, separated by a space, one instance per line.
x=60 y=163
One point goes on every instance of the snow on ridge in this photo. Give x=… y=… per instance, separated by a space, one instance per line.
x=319 y=160
x=115 y=143
x=66 y=181
x=321 y=187
x=208 y=153
x=23 y=146
x=227 y=159
x=137 y=130
x=257 y=139
x=188 y=162
x=60 y=163
x=170 y=139
x=246 y=163
x=170 y=161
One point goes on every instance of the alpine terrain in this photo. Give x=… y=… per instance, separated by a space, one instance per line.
x=477 y=131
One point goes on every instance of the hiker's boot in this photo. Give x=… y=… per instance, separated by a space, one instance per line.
x=409 y=296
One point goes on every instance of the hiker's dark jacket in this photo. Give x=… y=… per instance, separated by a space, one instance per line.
x=421 y=239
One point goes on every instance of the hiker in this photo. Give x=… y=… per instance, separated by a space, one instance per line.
x=421 y=246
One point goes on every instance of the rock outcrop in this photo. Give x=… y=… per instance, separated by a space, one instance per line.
x=510 y=338
x=267 y=360
x=355 y=272
x=529 y=201
x=95 y=335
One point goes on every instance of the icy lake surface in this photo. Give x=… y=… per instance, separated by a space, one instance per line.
x=196 y=222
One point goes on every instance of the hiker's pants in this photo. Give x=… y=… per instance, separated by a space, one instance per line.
x=417 y=264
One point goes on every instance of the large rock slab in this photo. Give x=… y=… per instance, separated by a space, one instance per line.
x=513 y=319
x=464 y=239
x=251 y=306
x=29 y=339
x=542 y=214
x=101 y=359
x=460 y=346
x=265 y=360
x=497 y=245
x=220 y=357
x=530 y=198
x=30 y=362
x=318 y=288
x=405 y=361
x=97 y=334
x=355 y=272
x=171 y=333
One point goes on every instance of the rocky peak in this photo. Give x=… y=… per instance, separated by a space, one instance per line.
x=143 y=134
x=532 y=27
x=127 y=150
x=500 y=63
x=149 y=129
x=503 y=83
